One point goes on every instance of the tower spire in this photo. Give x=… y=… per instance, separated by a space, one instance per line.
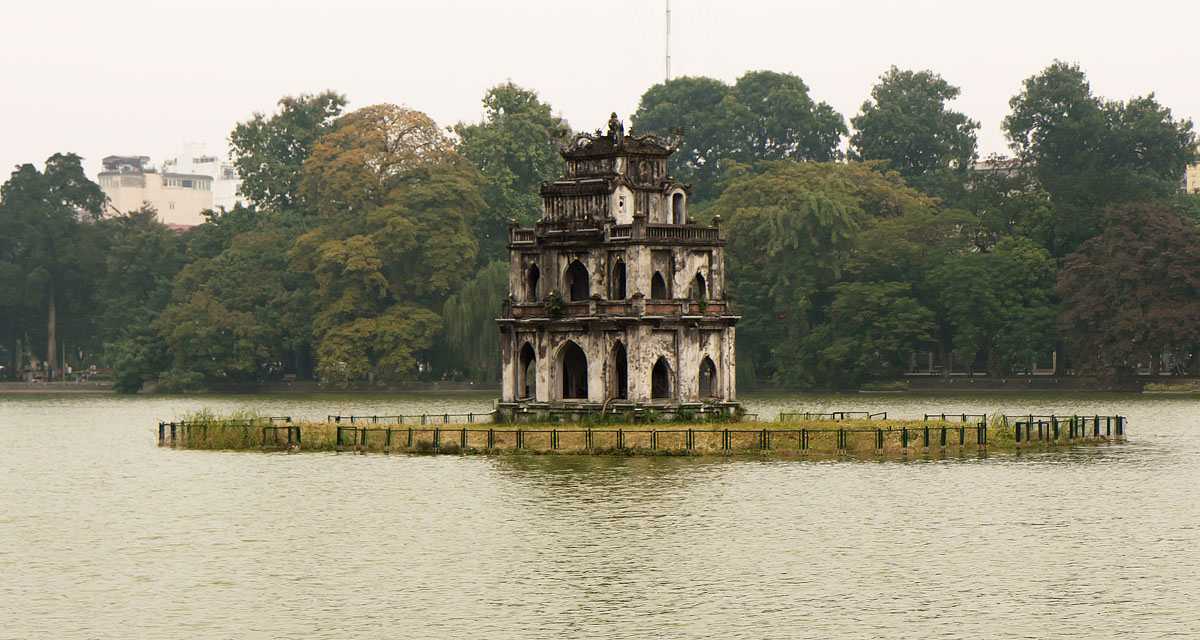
x=668 y=40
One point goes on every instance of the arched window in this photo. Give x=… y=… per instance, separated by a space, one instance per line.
x=660 y=380
x=658 y=287
x=531 y=283
x=708 y=378
x=577 y=282
x=699 y=288
x=678 y=211
x=617 y=282
x=620 y=370
x=527 y=374
x=573 y=372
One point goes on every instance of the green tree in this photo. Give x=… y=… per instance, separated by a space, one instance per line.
x=269 y=152
x=873 y=329
x=764 y=116
x=141 y=259
x=907 y=124
x=242 y=315
x=1132 y=293
x=1087 y=153
x=52 y=254
x=792 y=228
x=394 y=239
x=472 y=341
x=999 y=304
x=516 y=148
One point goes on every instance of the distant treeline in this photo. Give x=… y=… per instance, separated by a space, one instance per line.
x=374 y=249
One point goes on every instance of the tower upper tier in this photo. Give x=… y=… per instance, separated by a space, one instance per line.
x=614 y=176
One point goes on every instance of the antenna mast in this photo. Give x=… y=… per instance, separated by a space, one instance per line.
x=668 y=40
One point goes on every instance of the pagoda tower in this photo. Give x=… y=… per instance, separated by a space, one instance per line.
x=616 y=297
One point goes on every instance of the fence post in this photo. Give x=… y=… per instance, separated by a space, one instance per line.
x=1120 y=427
x=925 y=437
x=1018 y=428
x=520 y=439
x=162 y=432
x=463 y=444
x=173 y=434
x=491 y=439
x=942 y=439
x=962 y=436
x=904 y=437
x=387 y=440
x=981 y=432
x=690 y=442
x=879 y=440
x=409 y=444
x=620 y=438
x=437 y=438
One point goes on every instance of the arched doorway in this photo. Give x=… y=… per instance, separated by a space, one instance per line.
x=699 y=288
x=573 y=372
x=660 y=380
x=577 y=281
x=708 y=378
x=527 y=373
x=617 y=282
x=531 y=283
x=620 y=372
x=677 y=209
x=658 y=287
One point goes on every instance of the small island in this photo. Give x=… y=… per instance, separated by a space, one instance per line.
x=847 y=434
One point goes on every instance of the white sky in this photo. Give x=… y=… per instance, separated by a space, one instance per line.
x=125 y=77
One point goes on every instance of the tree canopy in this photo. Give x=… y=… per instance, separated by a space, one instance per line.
x=907 y=124
x=1088 y=153
x=515 y=148
x=764 y=116
x=1132 y=293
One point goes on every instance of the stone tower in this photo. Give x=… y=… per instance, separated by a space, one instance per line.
x=616 y=297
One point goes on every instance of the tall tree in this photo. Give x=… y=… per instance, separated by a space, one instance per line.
x=764 y=116
x=269 y=152
x=516 y=148
x=791 y=229
x=141 y=259
x=1088 y=153
x=999 y=304
x=1132 y=293
x=52 y=245
x=397 y=207
x=907 y=124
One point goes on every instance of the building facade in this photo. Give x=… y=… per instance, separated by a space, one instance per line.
x=179 y=198
x=617 y=297
x=188 y=184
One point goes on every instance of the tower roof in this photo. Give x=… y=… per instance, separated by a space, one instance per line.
x=616 y=143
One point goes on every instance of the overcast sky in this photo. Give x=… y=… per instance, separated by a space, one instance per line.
x=127 y=77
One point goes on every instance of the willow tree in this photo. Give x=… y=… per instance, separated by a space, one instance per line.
x=472 y=340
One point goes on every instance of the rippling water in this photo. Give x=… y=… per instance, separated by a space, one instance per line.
x=103 y=535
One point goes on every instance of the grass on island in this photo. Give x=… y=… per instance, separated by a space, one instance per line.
x=249 y=431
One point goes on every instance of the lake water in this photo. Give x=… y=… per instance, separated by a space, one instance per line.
x=104 y=535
